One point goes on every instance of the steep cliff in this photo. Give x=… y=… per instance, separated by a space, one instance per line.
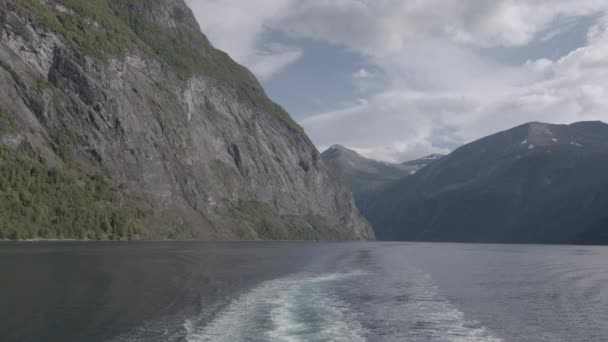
x=119 y=119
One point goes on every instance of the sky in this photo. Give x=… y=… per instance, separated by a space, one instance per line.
x=399 y=79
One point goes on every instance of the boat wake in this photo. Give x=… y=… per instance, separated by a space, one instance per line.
x=298 y=308
x=395 y=303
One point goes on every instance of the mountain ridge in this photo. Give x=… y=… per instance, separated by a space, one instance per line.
x=366 y=176
x=537 y=182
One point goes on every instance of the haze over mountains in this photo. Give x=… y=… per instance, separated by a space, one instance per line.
x=536 y=183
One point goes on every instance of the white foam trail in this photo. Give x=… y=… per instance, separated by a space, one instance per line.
x=287 y=309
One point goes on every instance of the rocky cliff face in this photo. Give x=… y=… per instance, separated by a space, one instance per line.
x=131 y=91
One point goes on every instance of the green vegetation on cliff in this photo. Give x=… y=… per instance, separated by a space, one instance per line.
x=37 y=201
x=87 y=24
x=7 y=123
x=260 y=222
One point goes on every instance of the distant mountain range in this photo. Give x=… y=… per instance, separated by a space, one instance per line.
x=367 y=176
x=536 y=183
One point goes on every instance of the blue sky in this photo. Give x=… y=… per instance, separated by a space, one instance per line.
x=320 y=80
x=396 y=80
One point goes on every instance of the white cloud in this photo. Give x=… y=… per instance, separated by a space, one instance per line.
x=401 y=124
x=266 y=64
x=382 y=26
x=395 y=126
x=362 y=74
x=237 y=27
x=439 y=89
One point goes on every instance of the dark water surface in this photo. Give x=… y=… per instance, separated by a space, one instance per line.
x=302 y=292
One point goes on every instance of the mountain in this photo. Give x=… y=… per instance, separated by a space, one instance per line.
x=536 y=183
x=362 y=174
x=424 y=161
x=118 y=119
x=367 y=176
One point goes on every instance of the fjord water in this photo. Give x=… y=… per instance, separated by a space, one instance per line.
x=302 y=292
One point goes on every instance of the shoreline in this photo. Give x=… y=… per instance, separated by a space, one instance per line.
x=200 y=241
x=32 y=241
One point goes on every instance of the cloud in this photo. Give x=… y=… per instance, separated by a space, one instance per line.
x=362 y=74
x=394 y=125
x=443 y=93
x=274 y=58
x=402 y=123
x=238 y=27
x=378 y=27
x=439 y=89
